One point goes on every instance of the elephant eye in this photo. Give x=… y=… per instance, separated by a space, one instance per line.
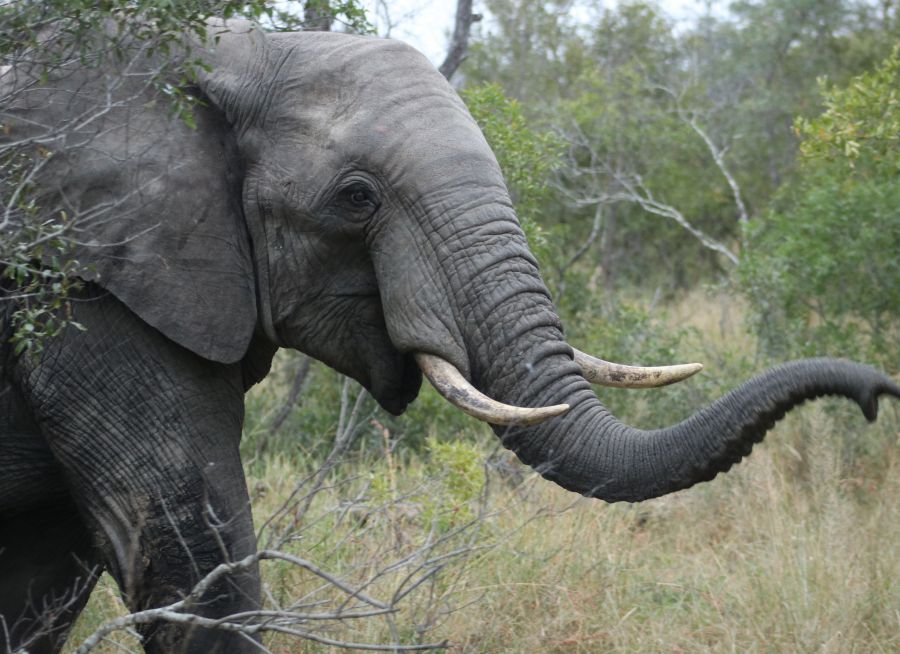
x=360 y=196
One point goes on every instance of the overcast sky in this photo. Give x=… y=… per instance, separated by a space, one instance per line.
x=427 y=25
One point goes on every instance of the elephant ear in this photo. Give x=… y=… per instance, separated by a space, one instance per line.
x=154 y=201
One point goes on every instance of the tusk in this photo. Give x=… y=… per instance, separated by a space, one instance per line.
x=598 y=371
x=449 y=382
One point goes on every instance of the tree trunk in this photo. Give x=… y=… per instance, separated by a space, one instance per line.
x=459 y=44
x=317 y=16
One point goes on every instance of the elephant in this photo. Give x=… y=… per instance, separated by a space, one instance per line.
x=333 y=195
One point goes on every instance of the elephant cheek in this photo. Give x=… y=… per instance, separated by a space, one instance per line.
x=391 y=376
x=349 y=335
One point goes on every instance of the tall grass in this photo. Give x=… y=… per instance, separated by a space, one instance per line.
x=761 y=560
x=794 y=550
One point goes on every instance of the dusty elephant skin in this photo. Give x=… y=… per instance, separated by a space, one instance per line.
x=335 y=197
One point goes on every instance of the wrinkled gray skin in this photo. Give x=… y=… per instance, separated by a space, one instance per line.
x=336 y=198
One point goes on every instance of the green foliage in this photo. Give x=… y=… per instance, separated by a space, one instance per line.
x=162 y=24
x=445 y=491
x=458 y=466
x=860 y=127
x=41 y=310
x=526 y=155
x=824 y=272
x=623 y=84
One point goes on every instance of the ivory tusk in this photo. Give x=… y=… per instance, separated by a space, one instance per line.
x=598 y=371
x=449 y=382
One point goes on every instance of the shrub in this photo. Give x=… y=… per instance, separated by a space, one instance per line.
x=822 y=270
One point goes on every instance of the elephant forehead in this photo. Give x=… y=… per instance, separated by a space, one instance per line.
x=338 y=61
x=340 y=100
x=388 y=137
x=347 y=78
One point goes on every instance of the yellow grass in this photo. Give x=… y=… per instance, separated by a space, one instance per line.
x=794 y=550
x=770 y=558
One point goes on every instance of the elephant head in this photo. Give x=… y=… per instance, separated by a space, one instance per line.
x=336 y=197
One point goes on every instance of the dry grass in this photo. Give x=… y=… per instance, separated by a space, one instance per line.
x=759 y=561
x=781 y=555
x=795 y=550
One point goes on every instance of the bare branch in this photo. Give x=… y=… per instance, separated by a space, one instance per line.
x=717 y=153
x=630 y=187
x=634 y=190
x=718 y=156
x=459 y=43
x=243 y=623
x=293 y=395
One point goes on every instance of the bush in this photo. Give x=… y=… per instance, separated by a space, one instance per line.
x=822 y=270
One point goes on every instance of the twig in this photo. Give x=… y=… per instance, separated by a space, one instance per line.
x=241 y=623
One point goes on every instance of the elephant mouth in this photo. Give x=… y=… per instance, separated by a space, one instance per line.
x=390 y=374
x=398 y=395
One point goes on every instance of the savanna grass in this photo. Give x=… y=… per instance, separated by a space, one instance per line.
x=794 y=550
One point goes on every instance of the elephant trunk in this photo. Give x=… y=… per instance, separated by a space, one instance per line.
x=590 y=452
x=518 y=355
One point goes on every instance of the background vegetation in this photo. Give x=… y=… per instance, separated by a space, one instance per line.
x=723 y=189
